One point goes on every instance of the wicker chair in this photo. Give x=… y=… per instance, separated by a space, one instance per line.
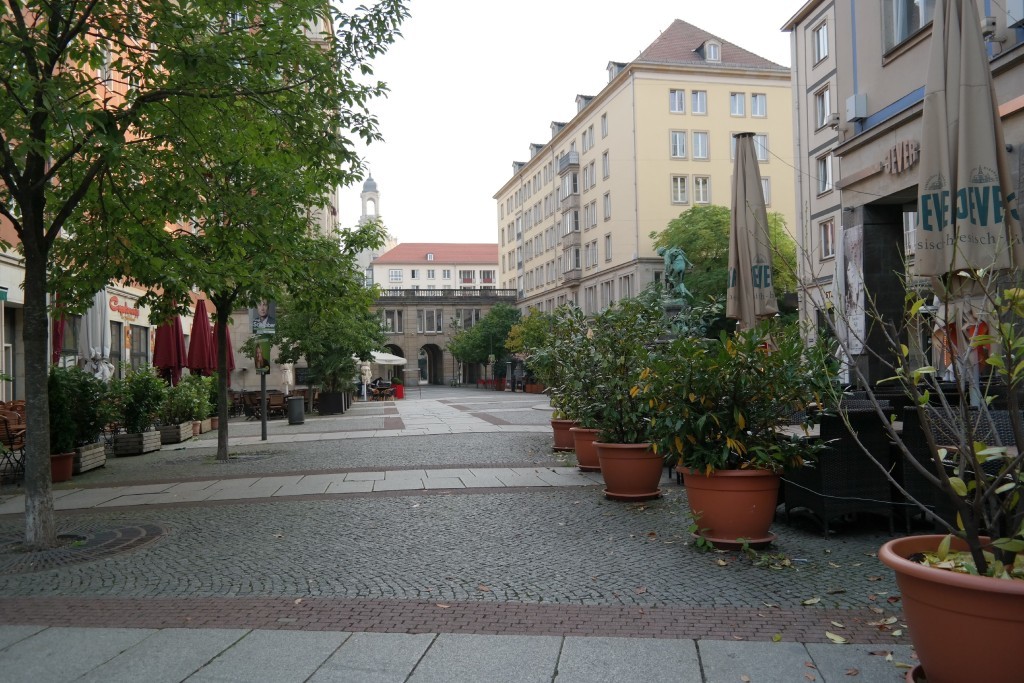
x=843 y=480
x=12 y=456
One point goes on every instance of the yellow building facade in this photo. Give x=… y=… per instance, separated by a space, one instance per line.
x=574 y=221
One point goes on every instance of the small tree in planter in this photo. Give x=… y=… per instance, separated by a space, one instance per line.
x=79 y=410
x=138 y=397
x=184 y=403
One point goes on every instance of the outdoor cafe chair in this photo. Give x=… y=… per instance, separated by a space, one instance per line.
x=12 y=436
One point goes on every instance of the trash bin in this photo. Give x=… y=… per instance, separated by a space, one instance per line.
x=296 y=410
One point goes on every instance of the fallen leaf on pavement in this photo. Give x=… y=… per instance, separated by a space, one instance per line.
x=298 y=600
x=745 y=678
x=483 y=588
x=853 y=672
x=639 y=590
x=443 y=606
x=810 y=601
x=777 y=638
x=837 y=639
x=837 y=624
x=722 y=563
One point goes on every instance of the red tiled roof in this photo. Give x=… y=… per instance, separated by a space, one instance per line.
x=679 y=43
x=416 y=252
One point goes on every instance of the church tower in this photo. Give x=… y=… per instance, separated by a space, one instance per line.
x=371 y=201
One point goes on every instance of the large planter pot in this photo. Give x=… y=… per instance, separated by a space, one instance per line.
x=631 y=471
x=205 y=425
x=399 y=390
x=563 y=437
x=733 y=507
x=136 y=444
x=62 y=466
x=90 y=457
x=964 y=628
x=176 y=433
x=586 y=453
x=331 y=403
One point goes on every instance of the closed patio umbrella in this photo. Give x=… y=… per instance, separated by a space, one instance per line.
x=201 y=358
x=169 y=353
x=750 y=295
x=94 y=338
x=57 y=326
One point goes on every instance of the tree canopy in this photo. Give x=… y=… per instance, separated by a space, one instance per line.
x=703 y=233
x=486 y=337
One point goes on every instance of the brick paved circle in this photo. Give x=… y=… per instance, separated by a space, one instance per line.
x=86 y=543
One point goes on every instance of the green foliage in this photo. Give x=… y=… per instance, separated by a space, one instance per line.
x=138 y=398
x=188 y=400
x=78 y=411
x=703 y=233
x=718 y=402
x=487 y=337
x=623 y=337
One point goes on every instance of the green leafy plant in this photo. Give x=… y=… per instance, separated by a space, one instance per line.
x=719 y=402
x=397 y=380
x=78 y=408
x=188 y=400
x=138 y=397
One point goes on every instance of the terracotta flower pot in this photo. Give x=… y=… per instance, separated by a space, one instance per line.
x=563 y=438
x=62 y=466
x=964 y=628
x=586 y=453
x=733 y=507
x=631 y=471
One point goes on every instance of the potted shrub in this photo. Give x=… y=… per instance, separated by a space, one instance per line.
x=962 y=589
x=719 y=405
x=544 y=341
x=397 y=383
x=580 y=397
x=623 y=337
x=181 y=406
x=138 y=398
x=78 y=413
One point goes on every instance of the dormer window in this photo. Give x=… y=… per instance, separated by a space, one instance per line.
x=712 y=52
x=430 y=257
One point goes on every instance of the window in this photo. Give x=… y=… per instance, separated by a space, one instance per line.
x=766 y=190
x=116 y=350
x=712 y=52
x=820 y=43
x=430 y=273
x=469 y=276
x=590 y=255
x=570 y=185
x=590 y=300
x=391 y=320
x=910 y=232
x=607 y=294
x=902 y=18
x=586 y=178
x=487 y=276
x=604 y=125
x=822 y=108
x=737 y=104
x=140 y=346
x=588 y=139
x=608 y=247
x=607 y=205
x=700 y=145
x=678 y=144
x=606 y=167
x=395 y=275
x=677 y=101
x=702 y=189
x=592 y=167
x=446 y=274
x=699 y=102
x=430 y=257
x=827 y=238
x=761 y=147
x=414 y=274
x=429 y=321
x=592 y=214
x=824 y=173
x=759 y=105
x=679 y=195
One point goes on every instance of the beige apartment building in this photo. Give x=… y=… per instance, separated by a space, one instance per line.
x=858 y=78
x=574 y=221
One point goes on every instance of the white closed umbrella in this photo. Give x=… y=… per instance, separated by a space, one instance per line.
x=94 y=338
x=381 y=358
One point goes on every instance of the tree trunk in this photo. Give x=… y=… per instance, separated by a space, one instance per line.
x=40 y=531
x=223 y=312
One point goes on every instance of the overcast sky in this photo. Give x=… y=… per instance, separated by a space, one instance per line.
x=474 y=83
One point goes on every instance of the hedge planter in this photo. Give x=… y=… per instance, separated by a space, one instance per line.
x=964 y=628
x=631 y=471
x=586 y=453
x=90 y=457
x=733 y=507
x=136 y=444
x=176 y=433
x=563 y=437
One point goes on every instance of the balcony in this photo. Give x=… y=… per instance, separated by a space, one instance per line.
x=570 y=203
x=571 y=276
x=568 y=161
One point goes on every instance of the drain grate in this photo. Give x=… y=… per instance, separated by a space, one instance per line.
x=75 y=546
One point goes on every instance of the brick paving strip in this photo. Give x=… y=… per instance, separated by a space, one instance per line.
x=406 y=616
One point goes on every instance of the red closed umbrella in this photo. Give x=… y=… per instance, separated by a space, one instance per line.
x=57 y=339
x=202 y=358
x=169 y=355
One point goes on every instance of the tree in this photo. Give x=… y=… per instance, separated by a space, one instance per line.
x=703 y=233
x=486 y=337
x=89 y=89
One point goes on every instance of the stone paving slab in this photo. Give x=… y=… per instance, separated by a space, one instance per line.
x=167 y=656
x=56 y=655
x=351 y=487
x=728 y=662
x=456 y=658
x=374 y=658
x=852 y=662
x=279 y=656
x=604 y=660
x=399 y=484
x=443 y=483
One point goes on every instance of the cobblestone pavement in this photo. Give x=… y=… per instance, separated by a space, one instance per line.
x=547 y=561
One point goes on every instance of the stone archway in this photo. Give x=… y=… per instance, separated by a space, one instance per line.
x=430 y=360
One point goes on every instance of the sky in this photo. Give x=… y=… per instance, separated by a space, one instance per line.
x=473 y=84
